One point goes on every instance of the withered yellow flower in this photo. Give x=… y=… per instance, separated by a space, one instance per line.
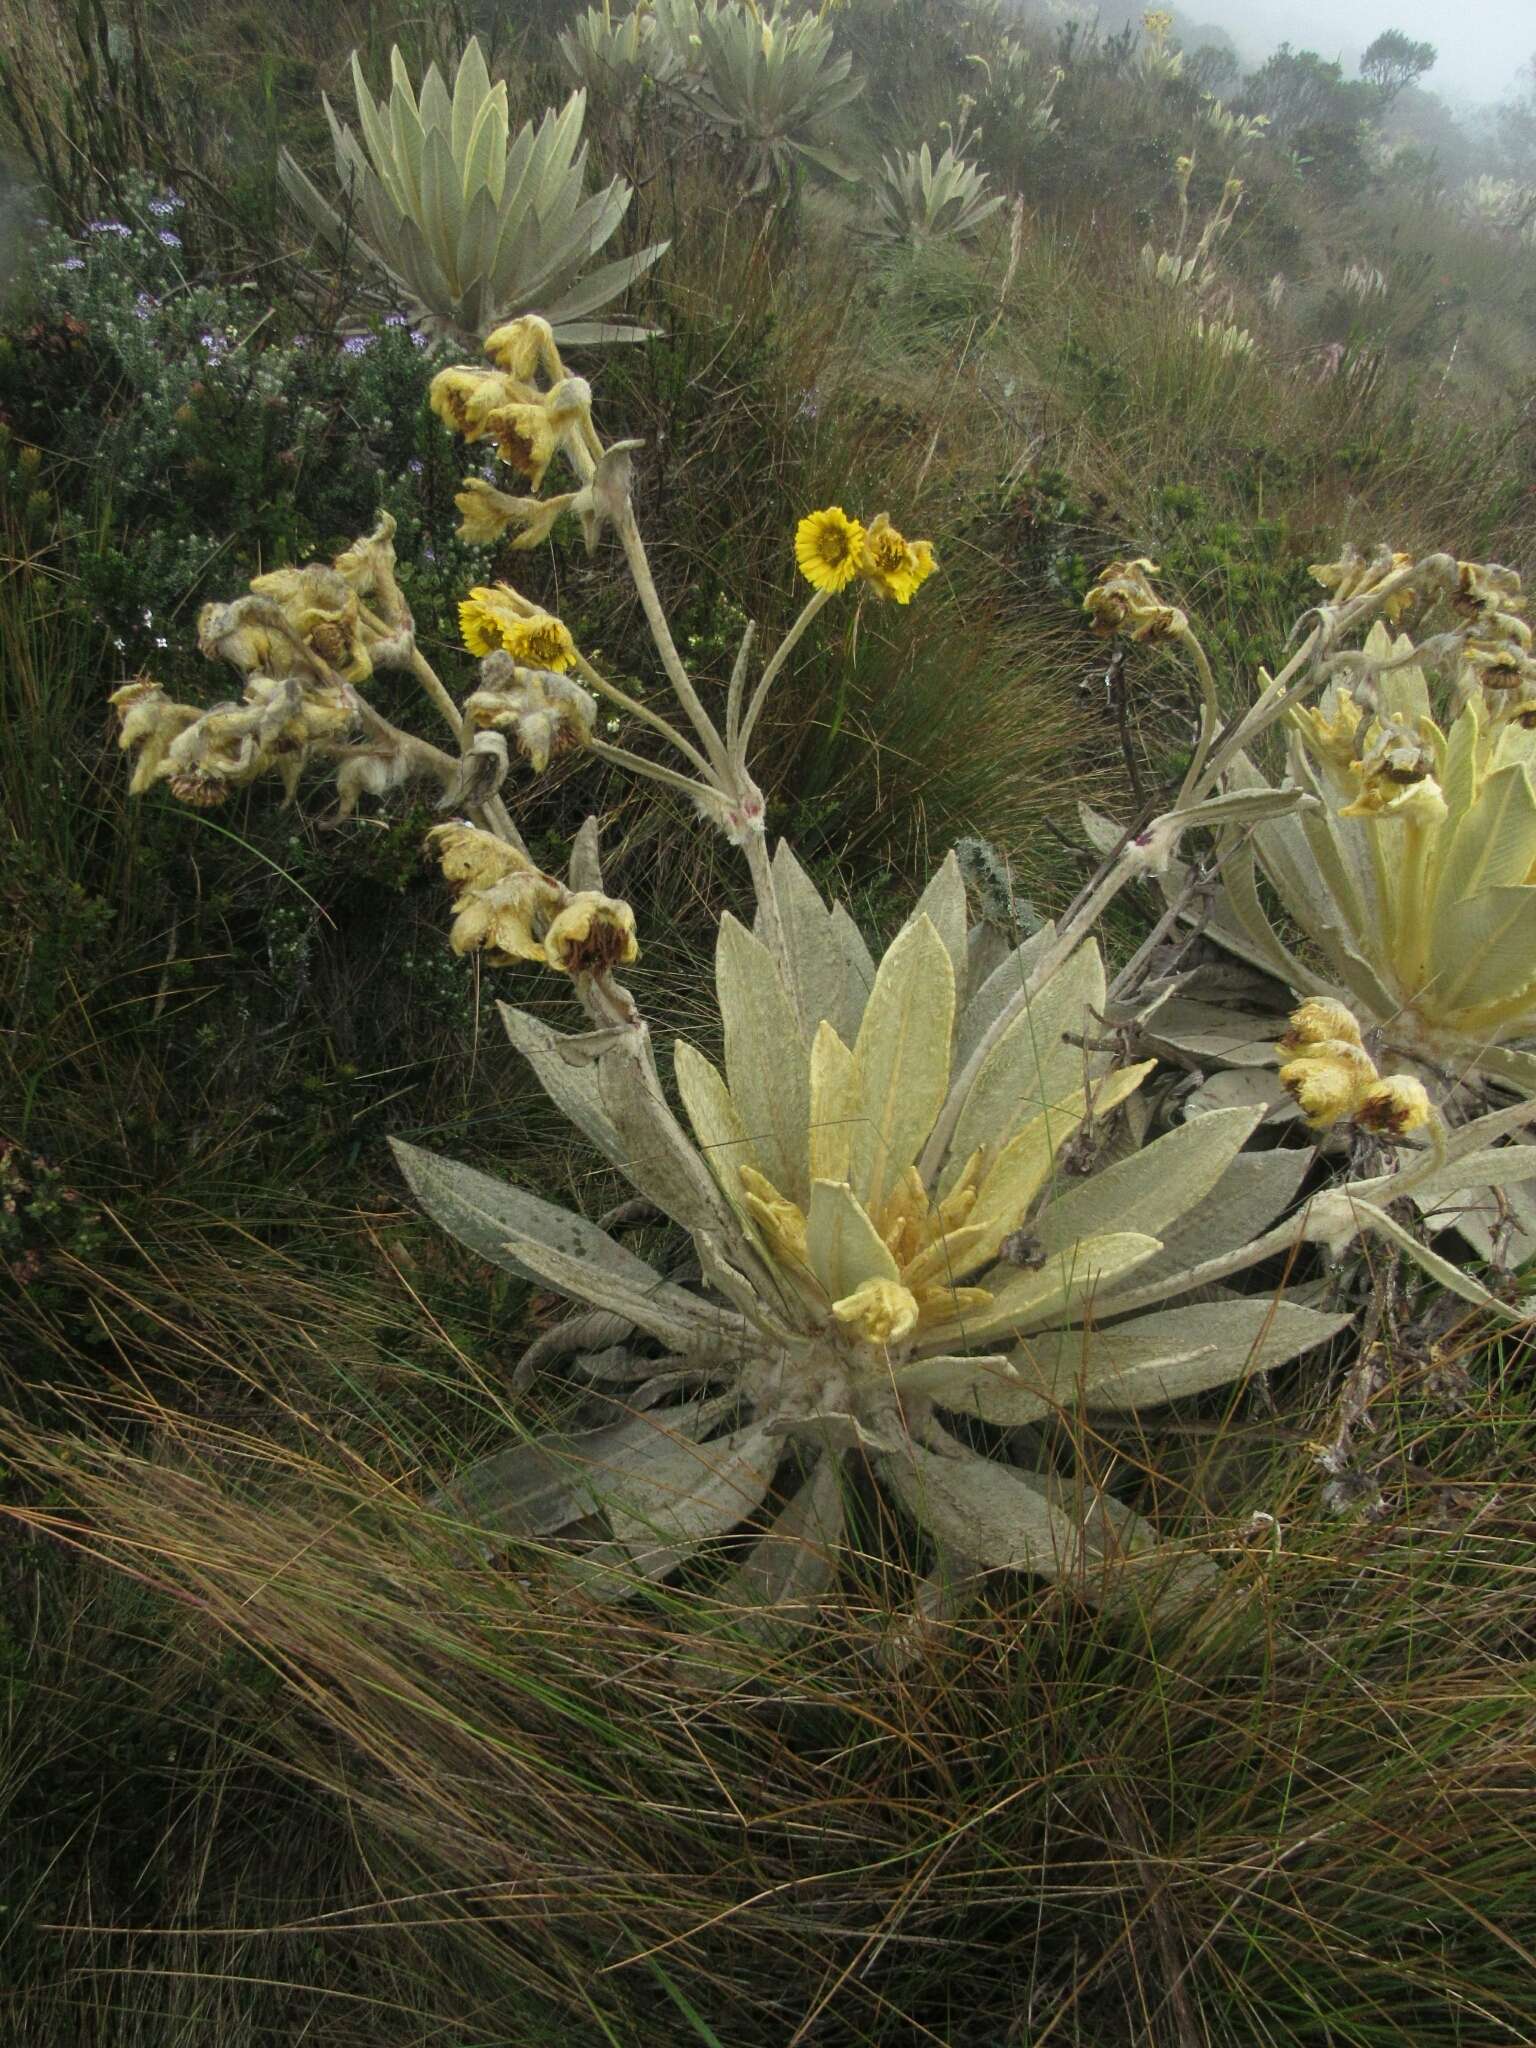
x=323 y=609
x=1327 y=1080
x=473 y=858
x=510 y=910
x=591 y=933
x=1331 y=1076
x=1331 y=726
x=524 y=348
x=828 y=548
x=893 y=566
x=1122 y=600
x=547 y=714
x=525 y=436
x=149 y=721
x=506 y=920
x=489 y=512
x=1394 y=1107
x=1354 y=574
x=462 y=396
x=880 y=1312
x=1320 y=1020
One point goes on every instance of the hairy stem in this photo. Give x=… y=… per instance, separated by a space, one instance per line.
x=781 y=654
x=651 y=718
x=661 y=633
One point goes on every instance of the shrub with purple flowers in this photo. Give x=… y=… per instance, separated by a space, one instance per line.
x=209 y=423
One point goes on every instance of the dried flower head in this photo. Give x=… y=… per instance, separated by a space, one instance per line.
x=323 y=609
x=510 y=910
x=1394 y=1107
x=1355 y=574
x=590 y=934
x=1122 y=600
x=1327 y=1079
x=463 y=395
x=148 y=722
x=525 y=349
x=893 y=566
x=546 y=713
x=1319 y=1021
x=487 y=514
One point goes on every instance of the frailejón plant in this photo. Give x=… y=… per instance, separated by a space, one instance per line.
x=768 y=84
x=472 y=227
x=919 y=201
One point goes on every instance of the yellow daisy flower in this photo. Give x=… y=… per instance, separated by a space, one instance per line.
x=828 y=546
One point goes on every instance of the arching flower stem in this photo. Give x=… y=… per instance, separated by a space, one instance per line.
x=741 y=740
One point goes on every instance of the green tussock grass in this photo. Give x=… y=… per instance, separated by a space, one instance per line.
x=1297 y=1818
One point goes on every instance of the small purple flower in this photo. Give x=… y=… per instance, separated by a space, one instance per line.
x=357 y=344
x=429 y=553
x=415 y=465
x=171 y=241
x=418 y=338
x=215 y=347
x=107 y=227
x=162 y=209
x=396 y=320
x=73 y=263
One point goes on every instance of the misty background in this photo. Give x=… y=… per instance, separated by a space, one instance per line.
x=1480 y=45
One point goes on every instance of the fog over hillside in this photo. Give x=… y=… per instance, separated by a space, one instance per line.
x=1481 y=46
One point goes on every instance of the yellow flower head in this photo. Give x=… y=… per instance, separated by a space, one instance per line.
x=525 y=347
x=494 y=618
x=228 y=632
x=1419 y=801
x=542 y=642
x=881 y=1312
x=369 y=564
x=489 y=512
x=1328 y=1079
x=149 y=721
x=462 y=396
x=225 y=748
x=1394 y=1107
x=1487 y=588
x=1318 y=1021
x=1498 y=665
x=1354 y=574
x=526 y=438
x=591 y=933
x=507 y=920
x=474 y=859
x=893 y=565
x=1395 y=776
x=1122 y=600
x=1329 y=728
x=828 y=546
